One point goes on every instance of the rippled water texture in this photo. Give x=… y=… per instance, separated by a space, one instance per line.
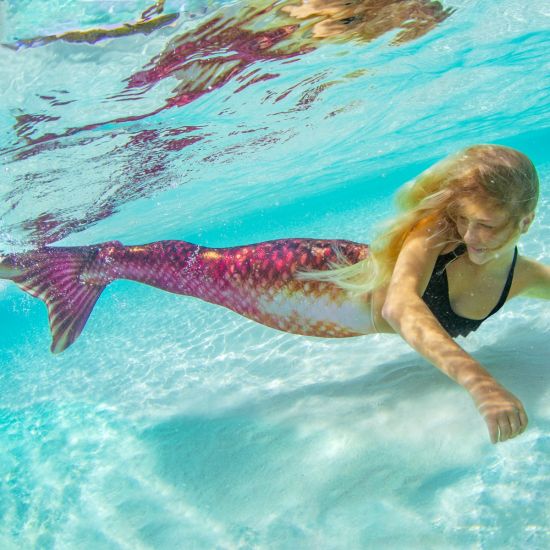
x=174 y=424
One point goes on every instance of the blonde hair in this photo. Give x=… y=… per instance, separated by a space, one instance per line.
x=501 y=175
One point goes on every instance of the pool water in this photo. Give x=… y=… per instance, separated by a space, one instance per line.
x=172 y=423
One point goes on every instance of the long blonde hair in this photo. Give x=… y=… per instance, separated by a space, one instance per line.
x=495 y=173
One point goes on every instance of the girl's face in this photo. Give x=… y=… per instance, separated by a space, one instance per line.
x=485 y=229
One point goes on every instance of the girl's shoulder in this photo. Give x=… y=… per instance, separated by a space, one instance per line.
x=531 y=278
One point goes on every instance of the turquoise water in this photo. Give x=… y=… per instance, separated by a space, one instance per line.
x=175 y=424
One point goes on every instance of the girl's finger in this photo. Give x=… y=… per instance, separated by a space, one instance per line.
x=492 y=426
x=505 y=428
x=515 y=422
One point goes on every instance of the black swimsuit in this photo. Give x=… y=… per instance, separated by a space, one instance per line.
x=436 y=296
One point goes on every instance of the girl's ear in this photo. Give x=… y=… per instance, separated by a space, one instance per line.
x=526 y=222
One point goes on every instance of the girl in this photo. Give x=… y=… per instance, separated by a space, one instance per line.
x=445 y=264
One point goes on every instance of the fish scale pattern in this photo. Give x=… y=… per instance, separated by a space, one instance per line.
x=259 y=281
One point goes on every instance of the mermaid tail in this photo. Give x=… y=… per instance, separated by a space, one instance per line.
x=258 y=281
x=53 y=276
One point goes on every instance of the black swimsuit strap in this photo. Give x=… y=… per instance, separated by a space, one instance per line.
x=458 y=251
x=507 y=286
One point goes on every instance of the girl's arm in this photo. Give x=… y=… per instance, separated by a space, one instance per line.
x=410 y=317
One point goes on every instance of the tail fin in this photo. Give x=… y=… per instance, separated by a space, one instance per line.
x=54 y=276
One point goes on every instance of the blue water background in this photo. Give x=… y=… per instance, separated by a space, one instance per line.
x=175 y=424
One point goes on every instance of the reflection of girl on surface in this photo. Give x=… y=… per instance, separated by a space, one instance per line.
x=445 y=264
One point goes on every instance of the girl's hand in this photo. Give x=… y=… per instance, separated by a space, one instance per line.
x=503 y=412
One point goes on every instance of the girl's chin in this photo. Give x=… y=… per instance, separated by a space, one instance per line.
x=479 y=255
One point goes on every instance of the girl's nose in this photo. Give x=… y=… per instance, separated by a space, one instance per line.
x=471 y=234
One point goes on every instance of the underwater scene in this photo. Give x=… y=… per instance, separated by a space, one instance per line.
x=171 y=422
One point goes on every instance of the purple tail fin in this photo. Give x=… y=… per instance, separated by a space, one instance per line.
x=54 y=276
